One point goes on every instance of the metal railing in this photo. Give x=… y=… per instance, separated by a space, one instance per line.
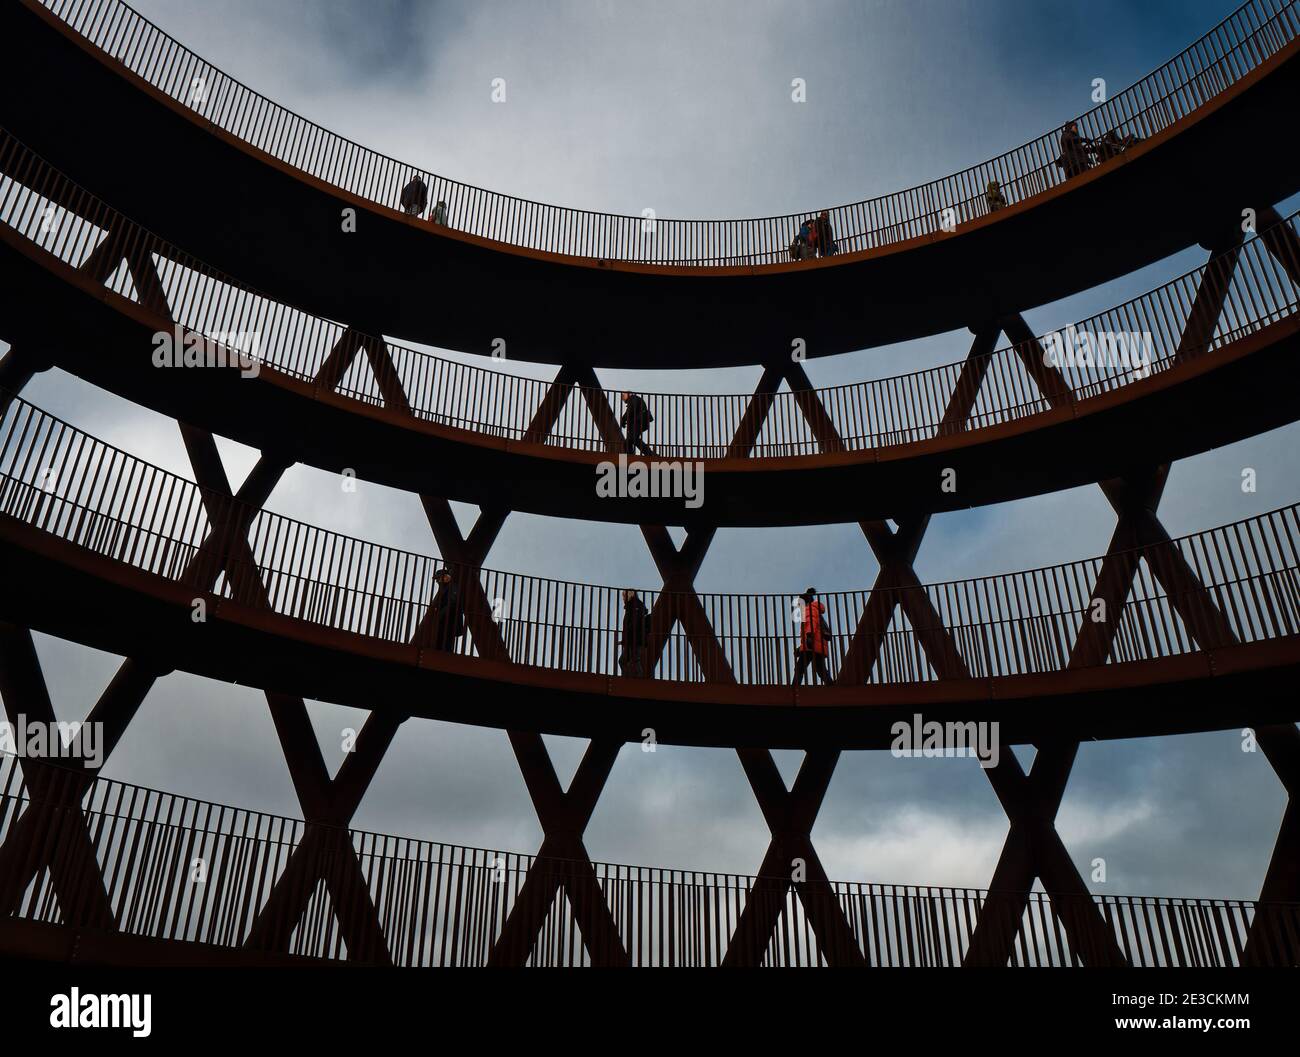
x=1244 y=40
x=1131 y=341
x=181 y=869
x=62 y=481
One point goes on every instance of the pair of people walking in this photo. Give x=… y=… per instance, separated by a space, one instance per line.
x=811 y=652
x=447 y=616
x=415 y=198
x=1079 y=153
x=815 y=238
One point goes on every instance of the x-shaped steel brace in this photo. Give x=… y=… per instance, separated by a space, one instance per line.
x=52 y=831
x=791 y=862
x=563 y=859
x=1135 y=499
x=562 y=862
x=895 y=550
x=895 y=570
x=325 y=852
x=1033 y=846
x=790 y=814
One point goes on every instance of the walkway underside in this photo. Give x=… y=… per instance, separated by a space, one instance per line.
x=65 y=591
x=62 y=316
x=282 y=232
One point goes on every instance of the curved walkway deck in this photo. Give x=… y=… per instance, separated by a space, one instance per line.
x=293 y=608
x=1211 y=355
x=571 y=296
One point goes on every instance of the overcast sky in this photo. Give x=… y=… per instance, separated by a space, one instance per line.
x=685 y=108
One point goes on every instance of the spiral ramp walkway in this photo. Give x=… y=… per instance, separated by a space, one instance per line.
x=1197 y=633
x=1219 y=366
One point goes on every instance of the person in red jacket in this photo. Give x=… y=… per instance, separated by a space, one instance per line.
x=814 y=633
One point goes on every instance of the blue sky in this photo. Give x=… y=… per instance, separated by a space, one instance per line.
x=685 y=108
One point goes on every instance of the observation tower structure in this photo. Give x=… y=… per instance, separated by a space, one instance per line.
x=106 y=265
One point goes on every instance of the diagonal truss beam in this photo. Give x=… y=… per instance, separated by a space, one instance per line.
x=791 y=813
x=1281 y=241
x=895 y=550
x=302 y=751
x=326 y=852
x=47 y=835
x=17 y=367
x=469 y=553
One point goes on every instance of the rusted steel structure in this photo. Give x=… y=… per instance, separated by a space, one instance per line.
x=1233 y=601
x=1216 y=363
x=380 y=899
x=1197 y=633
x=73 y=502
